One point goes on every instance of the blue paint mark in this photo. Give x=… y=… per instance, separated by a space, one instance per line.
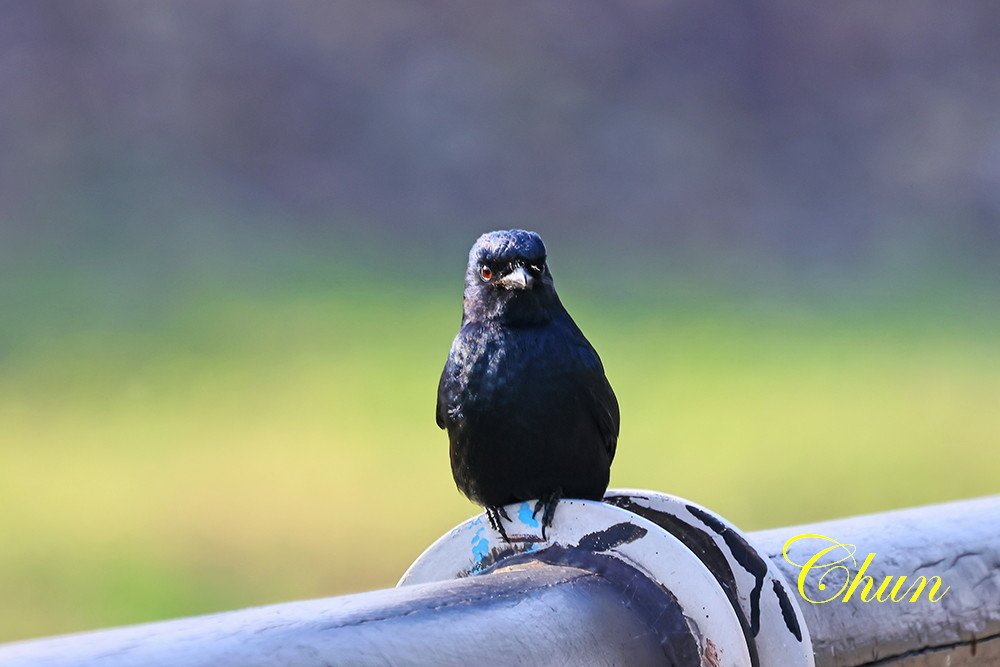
x=524 y=514
x=531 y=547
x=480 y=549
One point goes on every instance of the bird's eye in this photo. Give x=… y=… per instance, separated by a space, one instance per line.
x=485 y=272
x=538 y=268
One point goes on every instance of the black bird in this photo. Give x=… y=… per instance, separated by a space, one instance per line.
x=529 y=411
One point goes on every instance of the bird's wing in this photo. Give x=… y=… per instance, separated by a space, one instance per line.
x=597 y=396
x=448 y=390
x=604 y=409
x=441 y=410
x=451 y=386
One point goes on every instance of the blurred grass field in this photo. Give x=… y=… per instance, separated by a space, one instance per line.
x=249 y=440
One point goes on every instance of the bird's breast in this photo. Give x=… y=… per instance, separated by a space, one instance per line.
x=504 y=369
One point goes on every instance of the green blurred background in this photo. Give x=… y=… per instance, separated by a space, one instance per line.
x=232 y=239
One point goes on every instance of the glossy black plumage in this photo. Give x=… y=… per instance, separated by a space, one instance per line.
x=528 y=409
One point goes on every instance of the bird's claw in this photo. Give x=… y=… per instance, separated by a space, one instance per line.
x=493 y=515
x=547 y=506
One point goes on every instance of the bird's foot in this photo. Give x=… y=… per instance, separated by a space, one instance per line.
x=493 y=514
x=547 y=506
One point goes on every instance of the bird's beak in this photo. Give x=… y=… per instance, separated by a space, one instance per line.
x=517 y=279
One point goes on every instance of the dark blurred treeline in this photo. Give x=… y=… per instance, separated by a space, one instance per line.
x=841 y=133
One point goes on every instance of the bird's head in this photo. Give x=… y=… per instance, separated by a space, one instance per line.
x=508 y=279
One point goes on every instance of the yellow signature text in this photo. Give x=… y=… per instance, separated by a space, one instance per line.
x=837 y=576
